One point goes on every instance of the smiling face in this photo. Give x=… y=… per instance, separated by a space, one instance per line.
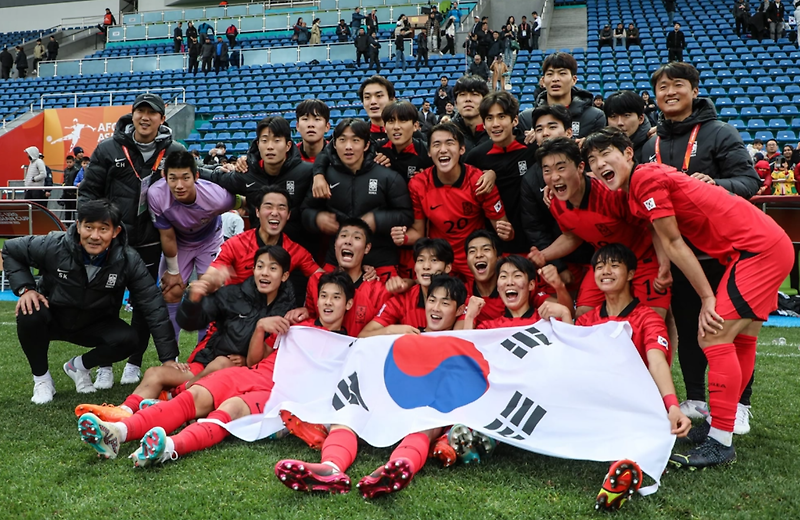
x=332 y=303
x=350 y=247
x=514 y=288
x=445 y=151
x=268 y=275
x=612 y=276
x=428 y=265
x=441 y=311
x=564 y=178
x=182 y=184
x=96 y=237
x=375 y=98
x=273 y=213
x=481 y=259
x=146 y=122
x=273 y=149
x=312 y=128
x=612 y=166
x=500 y=126
x=400 y=132
x=350 y=149
x=787 y=152
x=548 y=127
x=674 y=97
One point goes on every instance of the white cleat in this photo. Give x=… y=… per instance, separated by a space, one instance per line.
x=694 y=409
x=82 y=378
x=130 y=375
x=43 y=392
x=104 y=378
x=742 y=424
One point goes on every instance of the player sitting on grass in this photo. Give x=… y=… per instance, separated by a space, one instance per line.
x=224 y=395
x=758 y=256
x=445 y=302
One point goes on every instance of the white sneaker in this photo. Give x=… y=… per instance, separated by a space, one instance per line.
x=742 y=424
x=104 y=379
x=130 y=375
x=694 y=409
x=82 y=378
x=43 y=392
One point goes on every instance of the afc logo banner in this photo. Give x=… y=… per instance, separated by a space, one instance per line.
x=373 y=186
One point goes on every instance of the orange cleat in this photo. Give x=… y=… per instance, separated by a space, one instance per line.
x=442 y=450
x=105 y=412
x=624 y=478
x=312 y=434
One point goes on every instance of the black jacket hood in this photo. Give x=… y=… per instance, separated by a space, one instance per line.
x=703 y=111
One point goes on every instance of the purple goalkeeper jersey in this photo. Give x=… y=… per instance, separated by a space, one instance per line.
x=194 y=222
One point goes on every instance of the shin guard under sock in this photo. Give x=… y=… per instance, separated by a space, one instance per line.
x=133 y=401
x=201 y=435
x=169 y=415
x=724 y=385
x=746 y=353
x=413 y=447
x=340 y=448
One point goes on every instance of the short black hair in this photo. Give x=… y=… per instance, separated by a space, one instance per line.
x=271 y=188
x=358 y=126
x=399 y=110
x=448 y=127
x=605 y=138
x=757 y=141
x=277 y=253
x=677 y=70
x=313 y=107
x=340 y=279
x=615 y=252
x=560 y=60
x=557 y=112
x=180 y=159
x=484 y=233
x=380 y=80
x=623 y=102
x=470 y=83
x=356 y=222
x=775 y=140
x=69 y=158
x=521 y=263
x=505 y=100
x=440 y=247
x=100 y=210
x=277 y=125
x=455 y=288
x=560 y=146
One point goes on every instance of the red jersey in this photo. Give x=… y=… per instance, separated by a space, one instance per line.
x=454 y=211
x=237 y=253
x=603 y=217
x=507 y=320
x=493 y=307
x=649 y=329
x=369 y=298
x=718 y=223
x=407 y=308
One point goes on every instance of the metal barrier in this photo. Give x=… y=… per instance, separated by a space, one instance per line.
x=180 y=98
x=64 y=214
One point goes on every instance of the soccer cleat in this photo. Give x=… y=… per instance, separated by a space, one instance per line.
x=304 y=476
x=393 y=476
x=104 y=378
x=624 y=478
x=312 y=434
x=153 y=449
x=699 y=433
x=742 y=424
x=43 y=392
x=460 y=438
x=442 y=450
x=100 y=435
x=147 y=403
x=710 y=453
x=164 y=395
x=484 y=444
x=694 y=409
x=104 y=412
x=130 y=374
x=82 y=378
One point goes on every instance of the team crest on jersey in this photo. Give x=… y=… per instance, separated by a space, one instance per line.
x=650 y=204
x=468 y=208
x=111 y=282
x=603 y=229
x=290 y=187
x=523 y=167
x=576 y=128
x=361 y=313
x=412 y=170
x=373 y=186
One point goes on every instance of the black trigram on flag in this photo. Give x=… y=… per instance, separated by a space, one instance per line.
x=518 y=419
x=347 y=392
x=523 y=342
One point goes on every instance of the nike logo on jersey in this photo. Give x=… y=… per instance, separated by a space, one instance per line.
x=242 y=316
x=434 y=207
x=331 y=186
x=248 y=185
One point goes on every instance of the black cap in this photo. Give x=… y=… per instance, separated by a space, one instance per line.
x=77 y=150
x=154 y=101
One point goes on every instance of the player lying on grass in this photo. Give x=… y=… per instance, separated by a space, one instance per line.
x=235 y=309
x=445 y=302
x=758 y=256
x=223 y=395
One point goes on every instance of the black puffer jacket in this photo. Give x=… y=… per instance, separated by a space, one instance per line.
x=111 y=176
x=471 y=140
x=720 y=151
x=374 y=189
x=586 y=118
x=75 y=301
x=235 y=309
x=639 y=139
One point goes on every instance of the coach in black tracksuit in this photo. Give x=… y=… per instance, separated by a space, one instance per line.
x=120 y=169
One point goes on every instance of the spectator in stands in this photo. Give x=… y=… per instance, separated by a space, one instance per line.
x=21 y=62
x=775 y=15
x=297 y=29
x=631 y=36
x=484 y=40
x=374 y=51
x=477 y=27
x=524 y=34
x=439 y=16
x=510 y=45
x=232 y=32
x=79 y=176
x=619 y=35
x=478 y=68
x=789 y=155
x=207 y=53
x=52 y=49
x=797 y=24
x=355 y=22
x=449 y=110
x=6 y=62
x=427 y=119
x=69 y=197
x=422 y=48
x=765 y=173
x=445 y=83
x=669 y=5
x=316 y=33
x=432 y=27
x=499 y=70
x=741 y=16
x=220 y=55
x=471 y=45
x=177 y=38
x=624 y=110
x=650 y=108
x=343 y=31
x=303 y=33
x=454 y=12
x=400 y=34
x=108 y=21
x=606 y=37
x=676 y=42
x=191 y=32
x=361 y=43
x=450 y=36
x=772 y=152
x=215 y=155
x=441 y=100
x=197 y=159
x=48 y=179
x=194 y=54
x=35 y=176
x=598 y=101
x=38 y=53
x=757 y=146
x=372 y=21
x=495 y=47
x=536 y=20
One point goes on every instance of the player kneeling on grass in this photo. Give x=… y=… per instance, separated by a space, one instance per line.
x=614 y=271
x=224 y=395
x=758 y=256
x=446 y=297
x=84 y=272
x=235 y=309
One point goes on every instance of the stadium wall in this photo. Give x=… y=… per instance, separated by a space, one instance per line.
x=44 y=15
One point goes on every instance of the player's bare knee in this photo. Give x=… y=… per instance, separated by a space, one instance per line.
x=235 y=407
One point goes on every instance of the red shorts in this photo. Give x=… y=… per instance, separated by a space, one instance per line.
x=749 y=287
x=590 y=295
x=252 y=385
x=196 y=368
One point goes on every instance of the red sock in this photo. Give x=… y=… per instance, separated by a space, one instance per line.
x=133 y=401
x=201 y=435
x=724 y=384
x=340 y=448
x=178 y=390
x=746 y=353
x=413 y=447
x=169 y=415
